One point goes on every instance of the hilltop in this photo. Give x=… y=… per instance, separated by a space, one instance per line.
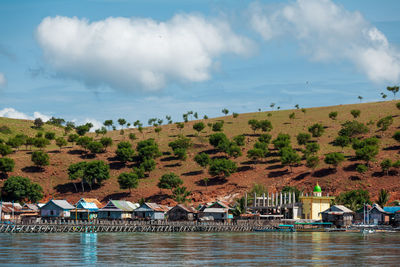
x=269 y=172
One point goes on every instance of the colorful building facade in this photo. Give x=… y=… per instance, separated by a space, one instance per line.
x=315 y=204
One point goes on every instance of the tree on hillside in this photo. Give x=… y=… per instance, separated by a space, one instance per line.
x=367 y=153
x=41 y=142
x=386 y=164
x=239 y=140
x=180 y=194
x=303 y=138
x=106 y=142
x=81 y=130
x=169 y=181
x=355 y=113
x=96 y=172
x=29 y=142
x=383 y=95
x=360 y=98
x=334 y=159
x=289 y=157
x=84 y=141
x=202 y=159
x=50 y=135
x=353 y=128
x=109 y=124
x=254 y=125
x=5 y=150
x=272 y=105
x=292 y=116
x=235 y=115
x=222 y=167
x=148 y=165
x=40 y=158
x=95 y=147
x=384 y=123
x=311 y=149
x=6 y=165
x=396 y=136
x=76 y=172
x=333 y=115
x=312 y=162
x=199 y=126
x=342 y=141
x=125 y=152
x=281 y=141
x=72 y=138
x=393 y=89
x=316 y=130
x=38 y=123
x=180 y=126
x=383 y=198
x=121 y=122
x=265 y=125
x=128 y=180
x=148 y=149
x=21 y=189
x=225 y=111
x=15 y=142
x=61 y=142
x=218 y=126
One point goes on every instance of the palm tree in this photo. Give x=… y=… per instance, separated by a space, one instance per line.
x=383 y=197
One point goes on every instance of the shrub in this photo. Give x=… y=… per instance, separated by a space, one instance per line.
x=334 y=159
x=361 y=168
x=6 y=165
x=95 y=147
x=5 y=129
x=333 y=115
x=384 y=123
x=5 y=150
x=355 y=112
x=40 y=158
x=50 y=135
x=106 y=141
x=128 y=180
x=265 y=138
x=239 y=140
x=303 y=138
x=353 y=128
x=19 y=188
x=217 y=126
x=316 y=130
x=202 y=159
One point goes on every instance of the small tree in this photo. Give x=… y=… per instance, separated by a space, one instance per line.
x=289 y=157
x=333 y=115
x=355 y=112
x=148 y=165
x=108 y=124
x=311 y=149
x=199 y=126
x=367 y=153
x=342 y=141
x=169 y=181
x=281 y=141
x=81 y=130
x=316 y=130
x=60 y=142
x=38 y=123
x=75 y=172
x=202 y=159
x=393 y=89
x=106 y=142
x=303 y=138
x=132 y=136
x=180 y=126
x=334 y=159
x=386 y=164
x=384 y=123
x=5 y=150
x=95 y=147
x=235 y=115
x=312 y=162
x=239 y=140
x=292 y=116
x=222 y=167
x=254 y=125
x=217 y=126
x=361 y=168
x=40 y=158
x=125 y=152
x=128 y=180
x=121 y=122
x=41 y=142
x=180 y=194
x=72 y=138
x=84 y=141
x=396 y=136
x=50 y=135
x=225 y=111
x=360 y=98
x=6 y=165
x=96 y=172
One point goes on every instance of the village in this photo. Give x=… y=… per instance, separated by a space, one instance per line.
x=277 y=211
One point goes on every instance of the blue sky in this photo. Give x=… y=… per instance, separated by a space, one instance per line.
x=102 y=59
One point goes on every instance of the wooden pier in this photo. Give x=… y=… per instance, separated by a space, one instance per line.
x=133 y=226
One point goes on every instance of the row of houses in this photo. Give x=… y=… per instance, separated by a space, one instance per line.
x=90 y=209
x=374 y=214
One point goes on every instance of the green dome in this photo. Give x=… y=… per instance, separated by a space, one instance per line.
x=317 y=188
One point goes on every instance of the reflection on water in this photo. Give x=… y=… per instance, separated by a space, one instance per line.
x=200 y=249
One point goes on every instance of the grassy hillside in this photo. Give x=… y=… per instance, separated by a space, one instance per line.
x=54 y=179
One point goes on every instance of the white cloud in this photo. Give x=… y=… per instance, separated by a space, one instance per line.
x=132 y=53
x=3 y=80
x=15 y=114
x=328 y=32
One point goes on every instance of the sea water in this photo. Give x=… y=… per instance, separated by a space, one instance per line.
x=194 y=249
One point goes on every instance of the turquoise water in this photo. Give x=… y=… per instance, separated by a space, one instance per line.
x=193 y=249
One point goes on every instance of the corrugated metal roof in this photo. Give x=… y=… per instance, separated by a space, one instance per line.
x=88 y=206
x=120 y=204
x=28 y=206
x=215 y=210
x=392 y=209
x=65 y=205
x=92 y=200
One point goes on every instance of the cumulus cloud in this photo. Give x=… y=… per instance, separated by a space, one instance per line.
x=96 y=124
x=15 y=114
x=3 y=80
x=327 y=32
x=132 y=53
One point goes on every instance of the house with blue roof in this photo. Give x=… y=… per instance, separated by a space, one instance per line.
x=86 y=209
x=392 y=211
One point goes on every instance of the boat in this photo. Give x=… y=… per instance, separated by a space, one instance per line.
x=279 y=228
x=367 y=231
